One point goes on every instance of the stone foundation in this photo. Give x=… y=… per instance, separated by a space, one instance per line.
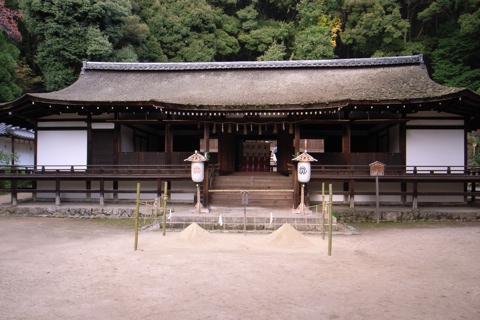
x=347 y=215
x=408 y=215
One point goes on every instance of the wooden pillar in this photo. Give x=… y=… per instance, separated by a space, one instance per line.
x=351 y=189
x=57 y=192
x=12 y=141
x=89 y=140
x=296 y=187
x=345 y=189
x=473 y=189
x=115 y=191
x=415 y=196
x=206 y=137
x=226 y=152
x=159 y=188
x=296 y=142
x=35 y=144
x=14 y=194
x=296 y=184
x=88 y=186
x=403 y=152
x=116 y=143
x=168 y=144
x=285 y=150
x=346 y=143
x=102 y=192
x=206 y=194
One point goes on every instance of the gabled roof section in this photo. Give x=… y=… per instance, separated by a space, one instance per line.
x=236 y=85
x=196 y=157
x=19 y=133
x=304 y=157
x=286 y=87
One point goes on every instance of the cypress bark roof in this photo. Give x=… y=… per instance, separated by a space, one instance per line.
x=396 y=85
x=239 y=84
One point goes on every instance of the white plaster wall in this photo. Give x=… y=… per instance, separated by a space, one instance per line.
x=59 y=148
x=26 y=153
x=435 y=147
x=23 y=148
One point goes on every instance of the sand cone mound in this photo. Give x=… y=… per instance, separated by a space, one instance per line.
x=195 y=233
x=286 y=237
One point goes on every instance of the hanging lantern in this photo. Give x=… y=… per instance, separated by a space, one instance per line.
x=303 y=175
x=197 y=167
x=303 y=172
x=229 y=127
x=304 y=167
x=244 y=129
x=198 y=175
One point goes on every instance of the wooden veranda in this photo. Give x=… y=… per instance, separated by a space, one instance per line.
x=93 y=179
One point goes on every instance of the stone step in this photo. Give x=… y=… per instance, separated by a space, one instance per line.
x=227 y=182
x=272 y=200
x=255 y=182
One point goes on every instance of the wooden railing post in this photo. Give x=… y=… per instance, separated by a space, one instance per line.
x=57 y=191
x=102 y=192
x=206 y=188
x=415 y=196
x=14 y=194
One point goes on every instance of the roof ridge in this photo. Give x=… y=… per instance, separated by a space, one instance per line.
x=178 y=66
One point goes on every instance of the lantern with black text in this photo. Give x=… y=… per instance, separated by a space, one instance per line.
x=304 y=174
x=198 y=175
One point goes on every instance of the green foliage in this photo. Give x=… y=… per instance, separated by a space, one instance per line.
x=317 y=31
x=59 y=34
x=374 y=25
x=9 y=89
x=260 y=39
x=473 y=148
x=97 y=44
x=190 y=30
x=274 y=52
x=69 y=31
x=6 y=159
x=126 y=54
x=456 y=60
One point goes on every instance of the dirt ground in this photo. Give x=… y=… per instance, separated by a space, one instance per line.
x=80 y=269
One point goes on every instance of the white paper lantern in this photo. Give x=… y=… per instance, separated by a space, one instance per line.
x=303 y=172
x=198 y=171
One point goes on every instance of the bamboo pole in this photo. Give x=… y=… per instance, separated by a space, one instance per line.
x=377 y=196
x=323 y=210
x=164 y=219
x=330 y=220
x=245 y=219
x=137 y=214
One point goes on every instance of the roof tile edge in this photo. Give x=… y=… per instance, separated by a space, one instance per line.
x=180 y=66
